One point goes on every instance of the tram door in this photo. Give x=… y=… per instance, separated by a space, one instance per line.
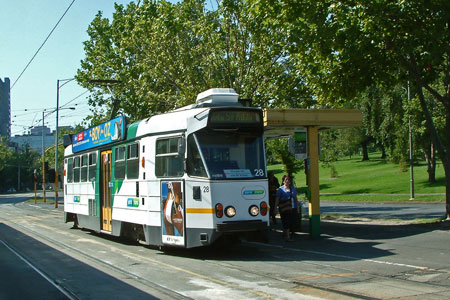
x=105 y=190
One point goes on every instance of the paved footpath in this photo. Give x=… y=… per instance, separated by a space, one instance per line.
x=375 y=210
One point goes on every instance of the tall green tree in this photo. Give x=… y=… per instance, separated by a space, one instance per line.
x=17 y=163
x=346 y=46
x=164 y=54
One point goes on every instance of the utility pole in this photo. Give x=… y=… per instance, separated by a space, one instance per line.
x=43 y=157
x=56 y=135
x=18 y=175
x=56 y=144
x=411 y=156
x=115 y=100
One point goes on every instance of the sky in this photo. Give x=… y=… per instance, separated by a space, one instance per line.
x=24 y=26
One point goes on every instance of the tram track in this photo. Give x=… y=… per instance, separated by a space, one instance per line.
x=204 y=277
x=129 y=254
x=144 y=258
x=349 y=271
x=150 y=284
x=315 y=288
x=66 y=292
x=71 y=250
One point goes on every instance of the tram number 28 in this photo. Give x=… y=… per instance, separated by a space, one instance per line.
x=259 y=172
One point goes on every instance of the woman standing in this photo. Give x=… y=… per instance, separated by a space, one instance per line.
x=288 y=206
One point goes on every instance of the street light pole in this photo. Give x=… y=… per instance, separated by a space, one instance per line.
x=56 y=137
x=56 y=144
x=43 y=157
x=411 y=154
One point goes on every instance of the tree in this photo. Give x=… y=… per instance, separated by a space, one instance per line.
x=346 y=46
x=27 y=159
x=280 y=150
x=6 y=159
x=164 y=54
x=12 y=163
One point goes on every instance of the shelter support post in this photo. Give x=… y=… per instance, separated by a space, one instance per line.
x=313 y=181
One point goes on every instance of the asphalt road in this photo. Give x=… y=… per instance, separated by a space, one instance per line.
x=402 y=211
x=349 y=261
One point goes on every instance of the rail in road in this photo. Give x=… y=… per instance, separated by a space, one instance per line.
x=341 y=265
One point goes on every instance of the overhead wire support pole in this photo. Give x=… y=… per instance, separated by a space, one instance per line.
x=411 y=153
x=108 y=83
x=56 y=144
x=43 y=156
x=56 y=135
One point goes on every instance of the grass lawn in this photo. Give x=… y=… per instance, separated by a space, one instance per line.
x=379 y=180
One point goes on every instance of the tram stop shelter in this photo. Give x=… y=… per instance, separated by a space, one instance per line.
x=285 y=122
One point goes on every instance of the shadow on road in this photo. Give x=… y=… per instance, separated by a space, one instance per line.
x=81 y=279
x=338 y=242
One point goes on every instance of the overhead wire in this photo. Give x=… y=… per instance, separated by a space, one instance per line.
x=39 y=49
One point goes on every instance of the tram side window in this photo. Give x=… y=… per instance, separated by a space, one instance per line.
x=92 y=166
x=84 y=168
x=76 y=169
x=70 y=170
x=133 y=161
x=168 y=162
x=119 y=162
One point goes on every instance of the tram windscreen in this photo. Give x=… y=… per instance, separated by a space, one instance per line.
x=231 y=155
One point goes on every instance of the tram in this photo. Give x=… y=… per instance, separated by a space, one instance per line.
x=186 y=178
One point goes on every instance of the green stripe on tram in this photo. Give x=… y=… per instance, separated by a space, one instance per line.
x=132 y=129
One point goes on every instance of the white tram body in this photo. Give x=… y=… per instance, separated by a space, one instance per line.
x=184 y=178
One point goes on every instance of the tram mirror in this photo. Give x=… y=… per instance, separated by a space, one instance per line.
x=181 y=145
x=67 y=140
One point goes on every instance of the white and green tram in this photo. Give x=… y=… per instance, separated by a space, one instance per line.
x=185 y=178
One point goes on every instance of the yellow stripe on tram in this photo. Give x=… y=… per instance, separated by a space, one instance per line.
x=200 y=210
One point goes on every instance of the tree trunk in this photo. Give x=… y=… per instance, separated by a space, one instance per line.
x=442 y=148
x=365 y=151
x=432 y=174
x=383 y=152
x=430 y=158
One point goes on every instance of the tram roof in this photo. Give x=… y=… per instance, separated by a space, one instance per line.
x=171 y=121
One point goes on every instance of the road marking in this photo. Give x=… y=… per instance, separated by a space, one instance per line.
x=322 y=276
x=356 y=258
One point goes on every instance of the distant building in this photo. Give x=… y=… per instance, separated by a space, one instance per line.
x=34 y=140
x=37 y=130
x=5 y=108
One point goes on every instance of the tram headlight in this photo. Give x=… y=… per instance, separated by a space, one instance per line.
x=219 y=210
x=253 y=210
x=263 y=207
x=230 y=211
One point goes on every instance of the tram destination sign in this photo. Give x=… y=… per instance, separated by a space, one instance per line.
x=235 y=117
x=105 y=133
